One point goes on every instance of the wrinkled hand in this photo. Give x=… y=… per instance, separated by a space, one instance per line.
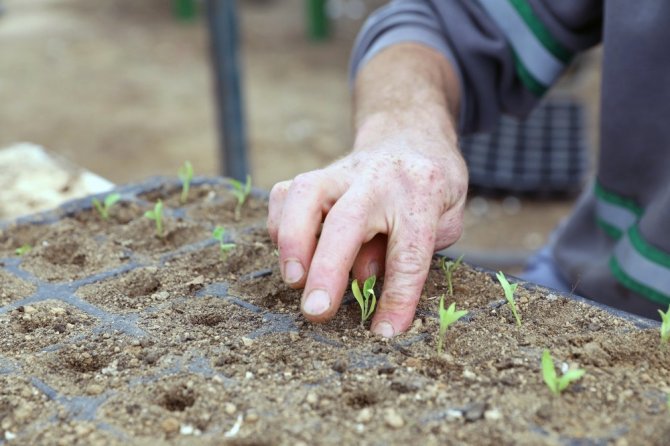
x=384 y=210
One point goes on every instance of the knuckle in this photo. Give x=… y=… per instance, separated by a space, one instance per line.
x=432 y=171
x=395 y=301
x=449 y=231
x=348 y=214
x=409 y=262
x=275 y=192
x=304 y=181
x=278 y=191
x=351 y=213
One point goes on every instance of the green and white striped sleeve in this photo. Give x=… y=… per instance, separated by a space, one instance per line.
x=507 y=52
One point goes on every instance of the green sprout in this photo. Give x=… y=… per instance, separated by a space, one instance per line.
x=241 y=192
x=556 y=384
x=219 y=234
x=367 y=300
x=509 y=290
x=104 y=207
x=157 y=215
x=24 y=249
x=185 y=174
x=665 y=326
x=447 y=317
x=449 y=267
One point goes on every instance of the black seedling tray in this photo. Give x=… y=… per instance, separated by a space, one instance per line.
x=125 y=324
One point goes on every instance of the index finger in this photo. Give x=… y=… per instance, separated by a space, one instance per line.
x=346 y=227
x=309 y=196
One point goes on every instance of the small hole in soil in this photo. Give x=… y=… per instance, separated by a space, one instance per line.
x=177 y=399
x=64 y=253
x=142 y=284
x=362 y=399
x=208 y=319
x=84 y=362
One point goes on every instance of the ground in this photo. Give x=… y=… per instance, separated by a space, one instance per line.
x=123 y=89
x=111 y=335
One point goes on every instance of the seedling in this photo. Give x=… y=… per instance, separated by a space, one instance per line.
x=157 y=215
x=366 y=300
x=449 y=267
x=447 y=317
x=509 y=290
x=556 y=384
x=665 y=326
x=241 y=192
x=24 y=249
x=219 y=234
x=104 y=207
x=185 y=174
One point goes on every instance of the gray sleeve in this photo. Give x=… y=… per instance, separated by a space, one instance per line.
x=506 y=53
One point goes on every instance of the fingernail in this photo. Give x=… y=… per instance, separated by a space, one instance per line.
x=293 y=271
x=317 y=303
x=373 y=269
x=384 y=329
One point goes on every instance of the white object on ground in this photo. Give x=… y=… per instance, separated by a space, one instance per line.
x=33 y=180
x=235 y=429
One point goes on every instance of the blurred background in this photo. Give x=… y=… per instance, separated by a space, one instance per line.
x=124 y=88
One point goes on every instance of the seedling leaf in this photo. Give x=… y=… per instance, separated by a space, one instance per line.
x=447 y=317
x=157 y=215
x=185 y=174
x=509 y=290
x=105 y=206
x=569 y=377
x=555 y=384
x=367 y=299
x=241 y=192
x=449 y=267
x=665 y=326
x=219 y=234
x=23 y=249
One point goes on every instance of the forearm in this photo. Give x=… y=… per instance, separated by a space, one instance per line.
x=409 y=92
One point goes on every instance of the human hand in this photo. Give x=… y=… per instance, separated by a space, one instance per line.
x=384 y=208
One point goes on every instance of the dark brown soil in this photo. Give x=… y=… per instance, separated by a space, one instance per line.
x=219 y=342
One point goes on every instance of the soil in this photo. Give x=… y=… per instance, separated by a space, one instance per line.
x=169 y=342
